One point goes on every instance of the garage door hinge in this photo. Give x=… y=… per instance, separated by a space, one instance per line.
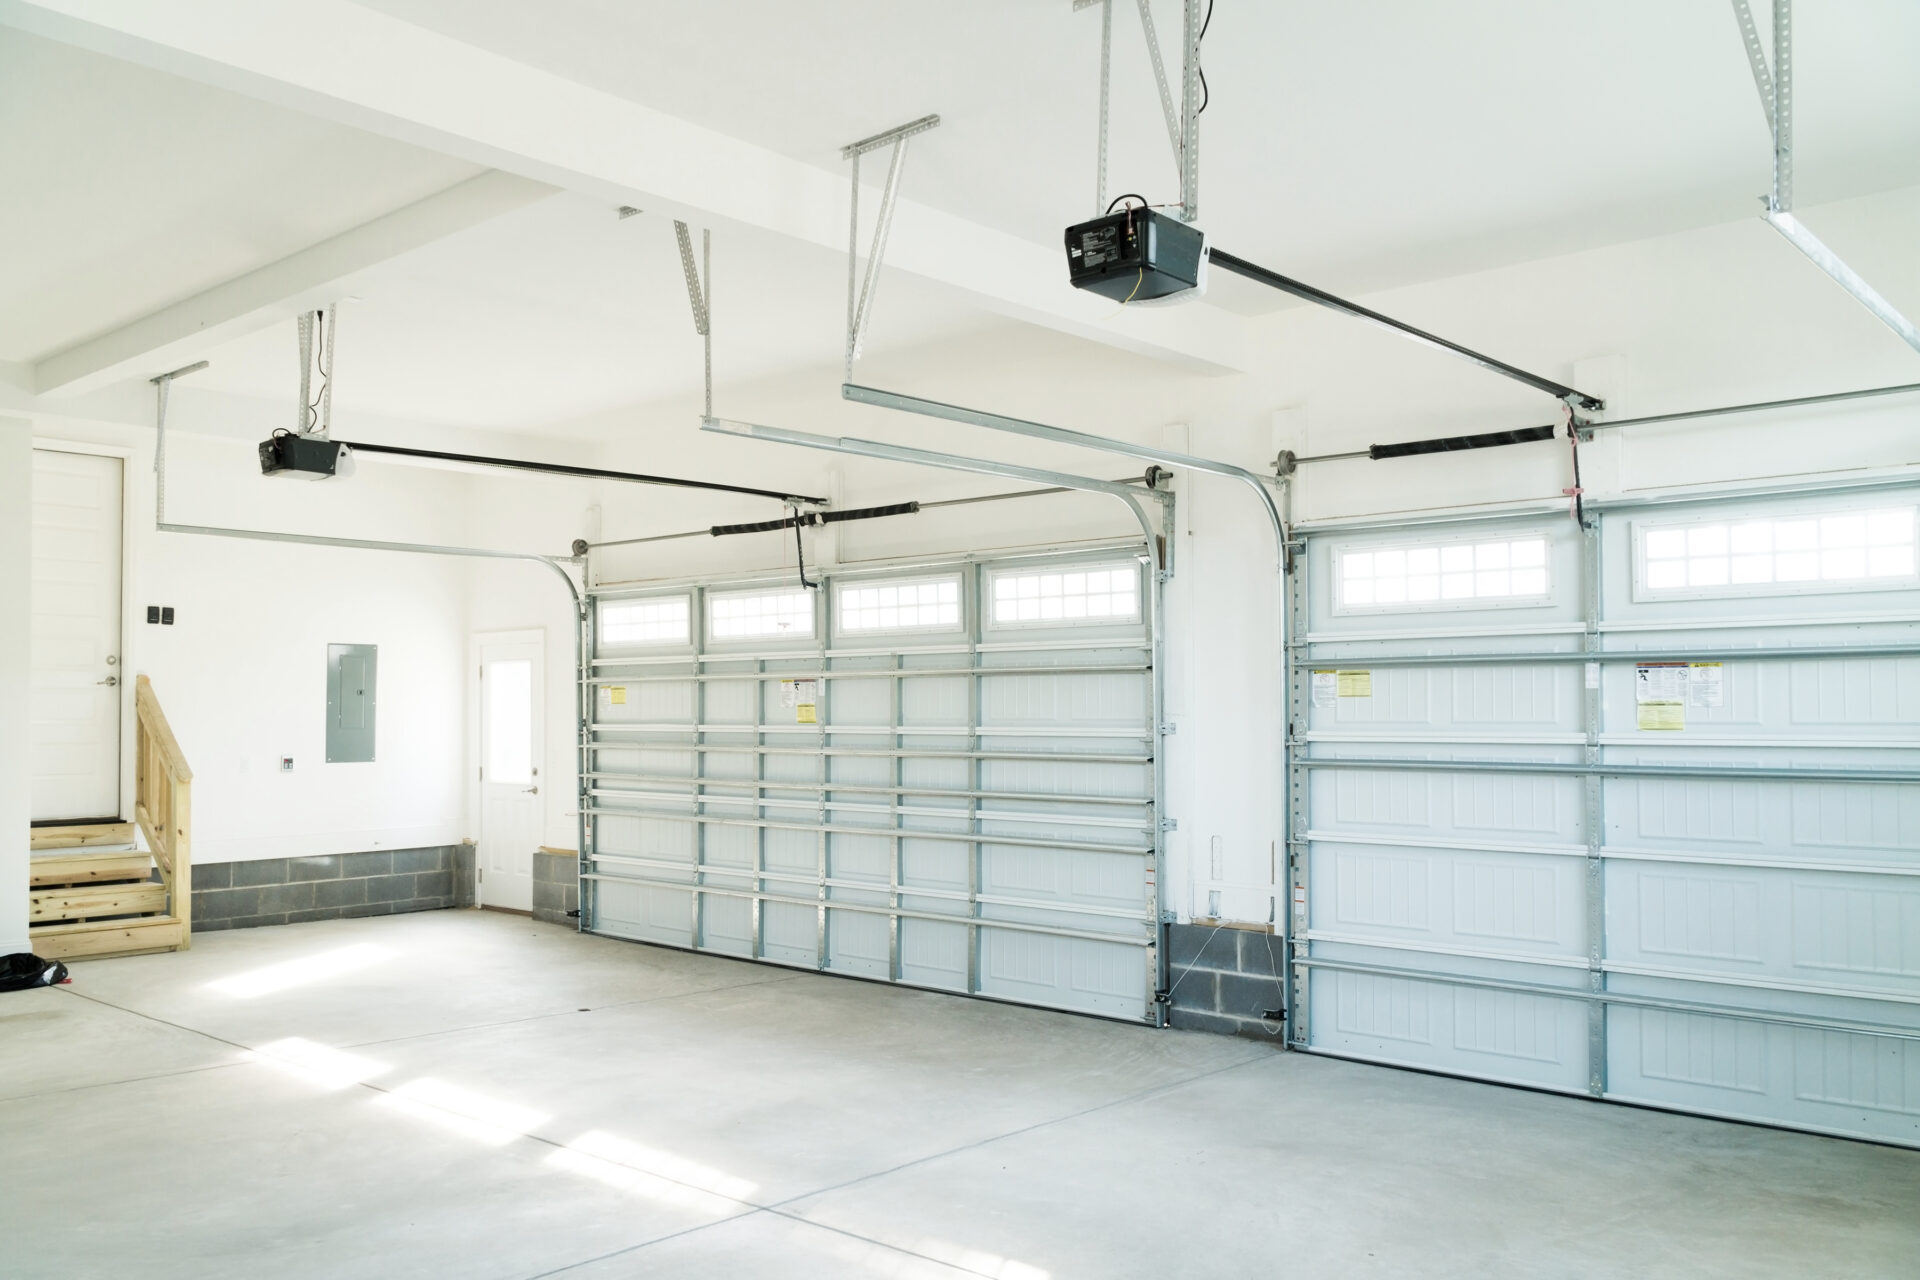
x=1169 y=824
x=1169 y=727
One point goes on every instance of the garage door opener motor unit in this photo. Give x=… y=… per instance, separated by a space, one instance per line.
x=304 y=457
x=1136 y=255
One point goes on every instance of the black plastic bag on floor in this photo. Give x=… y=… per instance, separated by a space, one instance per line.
x=23 y=970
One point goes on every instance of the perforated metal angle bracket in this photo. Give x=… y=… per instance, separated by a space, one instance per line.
x=860 y=293
x=1775 y=86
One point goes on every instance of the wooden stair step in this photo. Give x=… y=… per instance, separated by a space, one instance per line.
x=107 y=937
x=90 y=902
x=89 y=868
x=83 y=837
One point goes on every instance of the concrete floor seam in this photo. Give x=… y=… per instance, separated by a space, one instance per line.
x=779 y=1205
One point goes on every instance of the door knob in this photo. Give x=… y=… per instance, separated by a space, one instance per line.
x=110 y=681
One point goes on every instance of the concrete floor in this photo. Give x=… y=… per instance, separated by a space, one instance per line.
x=463 y=1094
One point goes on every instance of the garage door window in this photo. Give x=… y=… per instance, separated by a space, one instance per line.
x=750 y=614
x=662 y=621
x=1831 y=551
x=925 y=604
x=1404 y=578
x=1097 y=593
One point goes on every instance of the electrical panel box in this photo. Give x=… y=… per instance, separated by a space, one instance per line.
x=1135 y=255
x=351 y=670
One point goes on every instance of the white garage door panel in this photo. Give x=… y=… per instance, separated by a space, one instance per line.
x=1745 y=945
x=1502 y=809
x=987 y=827
x=1492 y=1035
x=1468 y=902
x=1831 y=1081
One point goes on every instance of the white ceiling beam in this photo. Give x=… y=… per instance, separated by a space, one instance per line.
x=339 y=61
x=186 y=330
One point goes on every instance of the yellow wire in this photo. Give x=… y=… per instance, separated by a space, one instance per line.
x=1136 y=287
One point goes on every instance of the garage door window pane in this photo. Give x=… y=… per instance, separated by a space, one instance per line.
x=1100 y=593
x=925 y=605
x=1396 y=577
x=751 y=614
x=1748 y=556
x=645 y=621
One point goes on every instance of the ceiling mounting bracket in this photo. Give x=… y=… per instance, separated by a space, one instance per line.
x=1183 y=122
x=316 y=331
x=860 y=292
x=1776 y=100
x=699 y=295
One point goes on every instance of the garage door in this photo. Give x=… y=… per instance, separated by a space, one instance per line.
x=938 y=774
x=1633 y=811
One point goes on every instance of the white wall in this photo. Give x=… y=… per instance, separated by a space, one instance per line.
x=241 y=674
x=16 y=581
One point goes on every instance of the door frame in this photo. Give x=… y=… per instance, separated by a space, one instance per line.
x=123 y=811
x=476 y=745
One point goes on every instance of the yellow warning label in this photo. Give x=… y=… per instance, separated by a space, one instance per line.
x=1662 y=715
x=803 y=713
x=617 y=695
x=1355 y=684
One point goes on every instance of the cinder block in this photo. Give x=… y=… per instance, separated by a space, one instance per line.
x=433 y=884
x=226 y=904
x=201 y=925
x=1247 y=995
x=326 y=867
x=391 y=888
x=373 y=862
x=340 y=893
x=211 y=875
x=276 y=898
x=433 y=859
x=1204 y=946
x=261 y=871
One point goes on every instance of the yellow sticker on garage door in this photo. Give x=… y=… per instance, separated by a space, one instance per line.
x=1662 y=715
x=1355 y=684
x=803 y=714
x=617 y=695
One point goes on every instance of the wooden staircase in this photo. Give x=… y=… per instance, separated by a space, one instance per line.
x=92 y=892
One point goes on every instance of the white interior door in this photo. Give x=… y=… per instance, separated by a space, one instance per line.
x=512 y=737
x=76 y=672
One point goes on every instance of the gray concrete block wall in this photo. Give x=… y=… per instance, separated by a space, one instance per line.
x=240 y=895
x=556 y=887
x=1224 y=979
x=466 y=878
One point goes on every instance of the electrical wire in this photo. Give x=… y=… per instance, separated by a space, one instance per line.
x=1136 y=287
x=800 y=551
x=1129 y=196
x=1206 y=94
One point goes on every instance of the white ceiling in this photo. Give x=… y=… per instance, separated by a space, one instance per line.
x=564 y=309
x=128 y=189
x=1361 y=145
x=1358 y=145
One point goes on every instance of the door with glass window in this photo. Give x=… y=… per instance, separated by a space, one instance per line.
x=940 y=774
x=1631 y=810
x=511 y=741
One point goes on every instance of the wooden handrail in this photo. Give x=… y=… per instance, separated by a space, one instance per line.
x=163 y=803
x=154 y=722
